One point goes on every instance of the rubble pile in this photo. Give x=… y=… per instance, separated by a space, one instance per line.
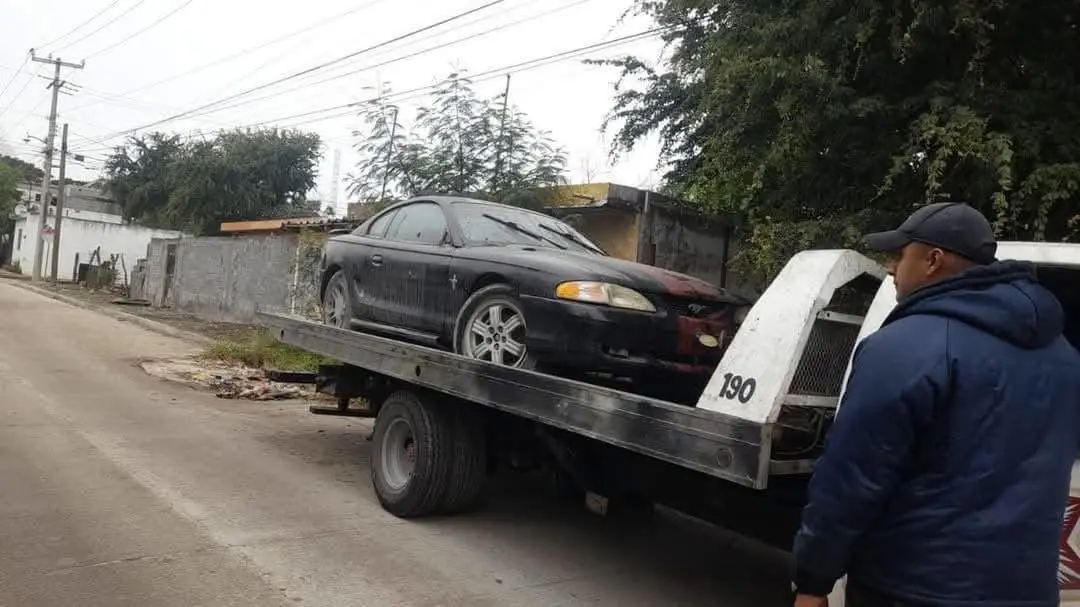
x=225 y=380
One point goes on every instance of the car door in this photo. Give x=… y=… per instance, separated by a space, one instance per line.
x=363 y=274
x=413 y=262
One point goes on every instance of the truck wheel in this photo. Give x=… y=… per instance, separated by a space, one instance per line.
x=466 y=482
x=491 y=326
x=412 y=455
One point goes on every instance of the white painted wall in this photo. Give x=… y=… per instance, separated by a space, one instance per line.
x=82 y=235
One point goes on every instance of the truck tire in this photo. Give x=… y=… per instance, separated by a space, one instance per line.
x=412 y=459
x=465 y=484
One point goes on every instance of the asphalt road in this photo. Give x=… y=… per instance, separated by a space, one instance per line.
x=117 y=488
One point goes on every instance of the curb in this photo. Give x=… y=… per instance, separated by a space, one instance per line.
x=146 y=323
x=12 y=275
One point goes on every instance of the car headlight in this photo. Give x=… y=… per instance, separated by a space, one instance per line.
x=605 y=294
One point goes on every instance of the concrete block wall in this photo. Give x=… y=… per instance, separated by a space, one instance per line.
x=694 y=248
x=230 y=278
x=156 y=255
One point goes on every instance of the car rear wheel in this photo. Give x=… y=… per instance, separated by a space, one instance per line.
x=492 y=327
x=336 y=308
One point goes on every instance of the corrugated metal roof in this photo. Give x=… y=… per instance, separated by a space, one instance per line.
x=272 y=225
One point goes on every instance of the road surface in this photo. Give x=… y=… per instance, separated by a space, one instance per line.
x=117 y=488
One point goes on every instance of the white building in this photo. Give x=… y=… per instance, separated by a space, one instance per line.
x=91 y=222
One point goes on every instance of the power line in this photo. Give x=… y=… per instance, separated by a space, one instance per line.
x=350 y=108
x=396 y=59
x=130 y=102
x=415 y=40
x=81 y=25
x=332 y=19
x=483 y=76
x=308 y=70
x=249 y=50
x=391 y=61
x=19 y=94
x=143 y=30
x=15 y=75
x=101 y=27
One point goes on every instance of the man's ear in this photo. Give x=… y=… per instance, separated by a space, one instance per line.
x=935 y=261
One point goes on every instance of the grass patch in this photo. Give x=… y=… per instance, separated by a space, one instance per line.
x=259 y=349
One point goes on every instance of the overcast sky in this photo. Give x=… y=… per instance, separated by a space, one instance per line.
x=126 y=52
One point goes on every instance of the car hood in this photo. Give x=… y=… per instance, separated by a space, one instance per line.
x=568 y=265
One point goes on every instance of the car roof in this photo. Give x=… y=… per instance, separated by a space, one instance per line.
x=449 y=198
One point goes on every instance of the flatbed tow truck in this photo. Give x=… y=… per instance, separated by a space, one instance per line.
x=740 y=458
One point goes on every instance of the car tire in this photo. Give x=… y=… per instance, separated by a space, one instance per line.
x=336 y=302
x=412 y=458
x=480 y=303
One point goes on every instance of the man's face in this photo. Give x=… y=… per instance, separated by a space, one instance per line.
x=916 y=266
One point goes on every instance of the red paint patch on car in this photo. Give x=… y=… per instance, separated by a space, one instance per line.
x=691 y=330
x=686 y=287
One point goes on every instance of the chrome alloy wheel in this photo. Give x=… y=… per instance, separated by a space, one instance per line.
x=496 y=333
x=335 y=305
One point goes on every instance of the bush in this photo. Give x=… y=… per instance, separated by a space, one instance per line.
x=260 y=350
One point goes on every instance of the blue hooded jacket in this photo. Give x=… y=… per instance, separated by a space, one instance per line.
x=946 y=474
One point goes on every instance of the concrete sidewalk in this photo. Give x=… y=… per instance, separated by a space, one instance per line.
x=22 y=282
x=12 y=275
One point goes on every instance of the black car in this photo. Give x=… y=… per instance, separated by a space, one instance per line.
x=516 y=287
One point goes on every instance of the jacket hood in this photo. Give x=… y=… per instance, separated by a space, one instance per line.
x=1003 y=299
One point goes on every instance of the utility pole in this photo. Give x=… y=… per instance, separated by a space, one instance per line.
x=499 y=143
x=335 y=179
x=39 y=241
x=389 y=156
x=61 y=198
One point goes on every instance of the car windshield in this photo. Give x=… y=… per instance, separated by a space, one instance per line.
x=492 y=224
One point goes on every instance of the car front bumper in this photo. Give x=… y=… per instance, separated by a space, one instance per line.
x=590 y=337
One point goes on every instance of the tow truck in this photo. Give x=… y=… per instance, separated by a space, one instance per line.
x=741 y=458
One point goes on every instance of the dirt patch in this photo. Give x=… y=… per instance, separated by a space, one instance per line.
x=174 y=318
x=226 y=380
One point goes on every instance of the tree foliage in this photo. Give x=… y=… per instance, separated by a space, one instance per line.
x=804 y=114
x=9 y=195
x=164 y=181
x=458 y=142
x=25 y=172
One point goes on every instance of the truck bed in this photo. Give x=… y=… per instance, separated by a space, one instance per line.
x=709 y=442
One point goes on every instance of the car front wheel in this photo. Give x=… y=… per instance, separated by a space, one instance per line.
x=336 y=308
x=492 y=327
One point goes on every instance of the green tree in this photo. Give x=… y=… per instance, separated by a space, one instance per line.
x=819 y=119
x=459 y=142
x=9 y=195
x=26 y=172
x=138 y=176
x=244 y=174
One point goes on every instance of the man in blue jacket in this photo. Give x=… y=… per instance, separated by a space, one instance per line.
x=946 y=473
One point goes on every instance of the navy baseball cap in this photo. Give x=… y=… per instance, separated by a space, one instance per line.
x=952 y=226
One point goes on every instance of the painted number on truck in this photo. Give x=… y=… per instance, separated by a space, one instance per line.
x=737 y=387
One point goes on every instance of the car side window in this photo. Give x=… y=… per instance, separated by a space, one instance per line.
x=422 y=222
x=377 y=229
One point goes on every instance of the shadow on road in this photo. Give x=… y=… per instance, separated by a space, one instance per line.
x=529 y=524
